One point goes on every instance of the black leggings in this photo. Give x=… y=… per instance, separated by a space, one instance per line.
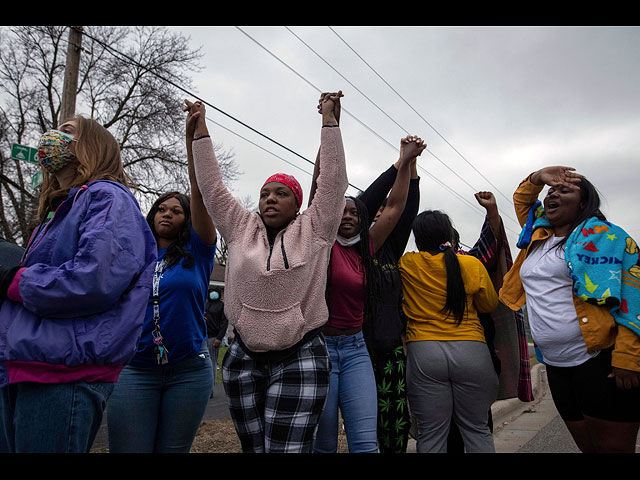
x=586 y=390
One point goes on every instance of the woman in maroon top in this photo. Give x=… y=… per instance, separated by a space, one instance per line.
x=351 y=297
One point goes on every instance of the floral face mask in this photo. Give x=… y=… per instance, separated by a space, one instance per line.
x=53 y=150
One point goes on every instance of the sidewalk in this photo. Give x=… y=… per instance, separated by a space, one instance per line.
x=516 y=423
x=534 y=427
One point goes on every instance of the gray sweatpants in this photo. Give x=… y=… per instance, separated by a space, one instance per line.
x=453 y=378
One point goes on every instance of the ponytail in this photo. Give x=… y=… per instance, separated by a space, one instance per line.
x=432 y=230
x=456 y=303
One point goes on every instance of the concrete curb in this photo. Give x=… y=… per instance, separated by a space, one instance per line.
x=504 y=410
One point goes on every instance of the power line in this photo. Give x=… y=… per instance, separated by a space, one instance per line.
x=404 y=129
x=417 y=113
x=134 y=62
x=442 y=184
x=317 y=88
x=347 y=112
x=115 y=52
x=346 y=80
x=260 y=147
x=376 y=105
x=452 y=191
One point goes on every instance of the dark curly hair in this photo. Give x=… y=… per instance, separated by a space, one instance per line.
x=176 y=251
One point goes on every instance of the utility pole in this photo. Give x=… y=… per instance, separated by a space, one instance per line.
x=68 y=106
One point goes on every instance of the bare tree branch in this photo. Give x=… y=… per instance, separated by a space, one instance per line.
x=143 y=111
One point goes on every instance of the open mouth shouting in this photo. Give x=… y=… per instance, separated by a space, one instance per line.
x=270 y=212
x=562 y=206
x=551 y=206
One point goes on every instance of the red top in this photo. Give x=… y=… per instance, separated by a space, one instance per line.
x=346 y=288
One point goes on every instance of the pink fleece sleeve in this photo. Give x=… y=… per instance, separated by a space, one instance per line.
x=227 y=214
x=328 y=202
x=13 y=292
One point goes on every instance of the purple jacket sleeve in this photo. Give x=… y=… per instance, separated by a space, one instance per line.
x=112 y=246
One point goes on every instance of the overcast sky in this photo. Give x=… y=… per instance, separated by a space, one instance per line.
x=492 y=103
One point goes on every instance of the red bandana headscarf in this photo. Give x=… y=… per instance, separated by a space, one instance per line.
x=290 y=182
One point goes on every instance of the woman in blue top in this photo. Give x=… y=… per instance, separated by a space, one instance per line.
x=161 y=396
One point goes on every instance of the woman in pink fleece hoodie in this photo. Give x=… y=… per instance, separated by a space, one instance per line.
x=276 y=372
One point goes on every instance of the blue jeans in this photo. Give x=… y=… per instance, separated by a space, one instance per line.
x=159 y=409
x=51 y=417
x=352 y=389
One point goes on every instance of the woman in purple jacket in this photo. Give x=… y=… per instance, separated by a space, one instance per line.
x=72 y=311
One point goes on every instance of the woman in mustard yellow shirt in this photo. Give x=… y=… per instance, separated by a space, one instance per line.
x=449 y=368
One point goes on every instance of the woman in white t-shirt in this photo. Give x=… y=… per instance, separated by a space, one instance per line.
x=552 y=315
x=592 y=362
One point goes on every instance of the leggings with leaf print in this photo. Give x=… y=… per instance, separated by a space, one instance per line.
x=393 y=413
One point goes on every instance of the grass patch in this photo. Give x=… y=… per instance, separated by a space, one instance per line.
x=221 y=353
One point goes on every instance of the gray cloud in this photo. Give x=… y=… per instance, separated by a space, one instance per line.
x=510 y=99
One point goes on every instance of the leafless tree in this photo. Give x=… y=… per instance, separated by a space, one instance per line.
x=221 y=249
x=127 y=82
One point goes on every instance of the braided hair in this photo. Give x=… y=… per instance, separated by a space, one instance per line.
x=176 y=251
x=433 y=230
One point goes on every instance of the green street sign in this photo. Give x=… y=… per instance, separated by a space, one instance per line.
x=36 y=179
x=22 y=152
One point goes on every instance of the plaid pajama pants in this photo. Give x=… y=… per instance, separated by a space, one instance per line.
x=276 y=405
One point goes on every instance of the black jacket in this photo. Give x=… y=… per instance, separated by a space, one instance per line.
x=217 y=322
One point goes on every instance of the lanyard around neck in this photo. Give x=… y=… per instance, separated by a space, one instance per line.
x=160 y=350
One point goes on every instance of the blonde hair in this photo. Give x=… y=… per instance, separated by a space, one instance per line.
x=97 y=158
